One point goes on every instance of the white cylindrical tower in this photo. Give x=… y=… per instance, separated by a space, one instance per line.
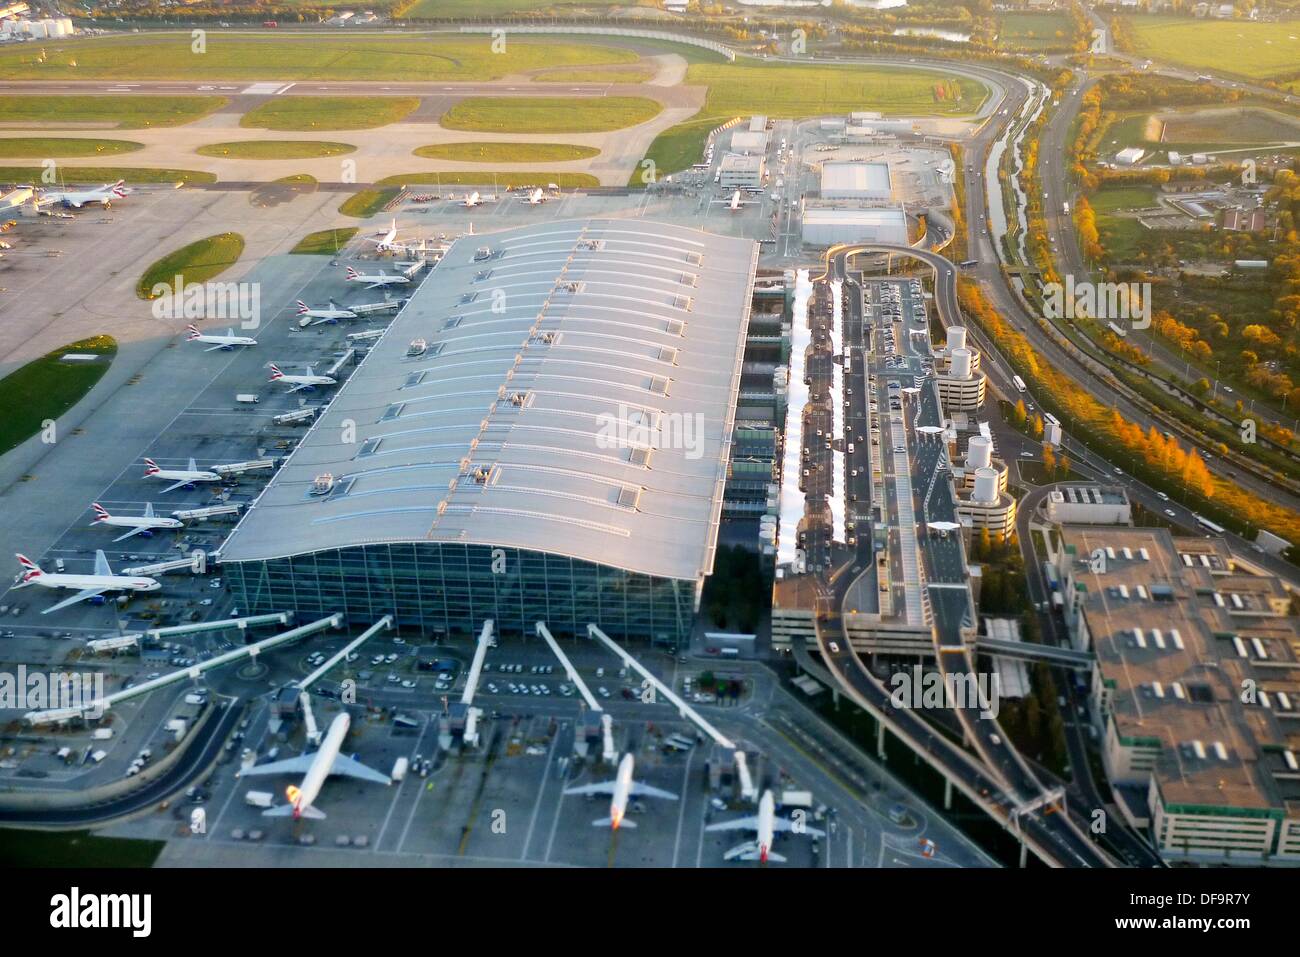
x=986 y=486
x=979 y=453
x=956 y=337
x=959 y=367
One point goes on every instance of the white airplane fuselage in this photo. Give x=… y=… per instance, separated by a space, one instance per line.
x=106 y=582
x=622 y=790
x=139 y=521
x=304 y=795
x=184 y=475
x=766 y=831
x=224 y=341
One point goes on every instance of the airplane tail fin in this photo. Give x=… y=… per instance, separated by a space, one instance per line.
x=117 y=188
x=193 y=333
x=151 y=468
x=352 y=273
x=101 y=513
x=30 y=570
x=302 y=307
x=609 y=822
x=287 y=810
x=276 y=374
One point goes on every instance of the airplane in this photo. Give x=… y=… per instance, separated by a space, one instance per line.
x=105 y=195
x=315 y=769
x=88 y=586
x=377 y=280
x=765 y=825
x=179 y=477
x=143 y=523
x=536 y=197
x=300 y=382
x=476 y=198
x=387 y=242
x=735 y=202
x=620 y=789
x=228 y=341
x=310 y=317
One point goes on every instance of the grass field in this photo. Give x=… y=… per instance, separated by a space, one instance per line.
x=324 y=243
x=1120 y=235
x=198 y=262
x=330 y=112
x=97 y=175
x=489 y=178
x=22 y=848
x=275 y=149
x=55 y=147
x=367 y=202
x=45 y=388
x=677 y=147
x=507 y=152
x=122 y=112
x=1256 y=50
x=548 y=114
x=168 y=57
x=795 y=91
x=624 y=74
x=1194 y=131
x=1032 y=31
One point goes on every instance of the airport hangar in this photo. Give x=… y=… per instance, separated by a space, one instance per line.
x=523 y=444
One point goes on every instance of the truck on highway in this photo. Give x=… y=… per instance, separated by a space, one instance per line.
x=1065 y=208
x=259 y=798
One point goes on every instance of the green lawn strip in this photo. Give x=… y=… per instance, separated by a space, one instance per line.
x=200 y=261
x=45 y=388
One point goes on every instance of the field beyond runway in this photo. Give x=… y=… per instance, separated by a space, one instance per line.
x=1256 y=50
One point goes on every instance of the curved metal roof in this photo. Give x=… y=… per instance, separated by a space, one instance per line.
x=576 y=396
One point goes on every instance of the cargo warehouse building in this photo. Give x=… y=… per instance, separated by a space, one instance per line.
x=543 y=433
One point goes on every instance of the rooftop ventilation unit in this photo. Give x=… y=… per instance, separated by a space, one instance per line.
x=482 y=253
x=323 y=484
x=418 y=347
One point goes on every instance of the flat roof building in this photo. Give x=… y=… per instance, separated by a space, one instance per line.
x=1195 y=693
x=741 y=172
x=854 y=179
x=826 y=225
x=542 y=433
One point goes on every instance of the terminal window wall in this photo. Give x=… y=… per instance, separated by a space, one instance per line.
x=449 y=589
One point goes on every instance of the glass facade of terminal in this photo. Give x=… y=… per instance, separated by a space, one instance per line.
x=449 y=589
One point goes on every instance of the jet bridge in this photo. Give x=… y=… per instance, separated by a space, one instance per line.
x=686 y=711
x=100 y=705
x=304 y=699
x=341 y=361
x=472 y=713
x=609 y=752
x=242 y=624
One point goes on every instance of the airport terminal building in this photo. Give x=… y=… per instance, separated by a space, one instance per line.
x=543 y=433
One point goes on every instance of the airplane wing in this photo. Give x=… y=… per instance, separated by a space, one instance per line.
x=785 y=824
x=101 y=564
x=135 y=531
x=79 y=596
x=297 y=388
x=745 y=852
x=286 y=810
x=604 y=787
x=739 y=824
x=298 y=765
x=220 y=345
x=353 y=768
x=645 y=790
x=175 y=485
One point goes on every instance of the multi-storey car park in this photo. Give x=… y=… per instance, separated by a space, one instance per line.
x=542 y=433
x=1195 y=692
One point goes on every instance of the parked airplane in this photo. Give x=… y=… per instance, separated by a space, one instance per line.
x=228 y=341
x=536 y=197
x=315 y=769
x=476 y=199
x=144 y=523
x=620 y=789
x=377 y=280
x=300 y=382
x=387 y=243
x=88 y=586
x=310 y=317
x=765 y=825
x=179 y=477
x=735 y=202
x=104 y=196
